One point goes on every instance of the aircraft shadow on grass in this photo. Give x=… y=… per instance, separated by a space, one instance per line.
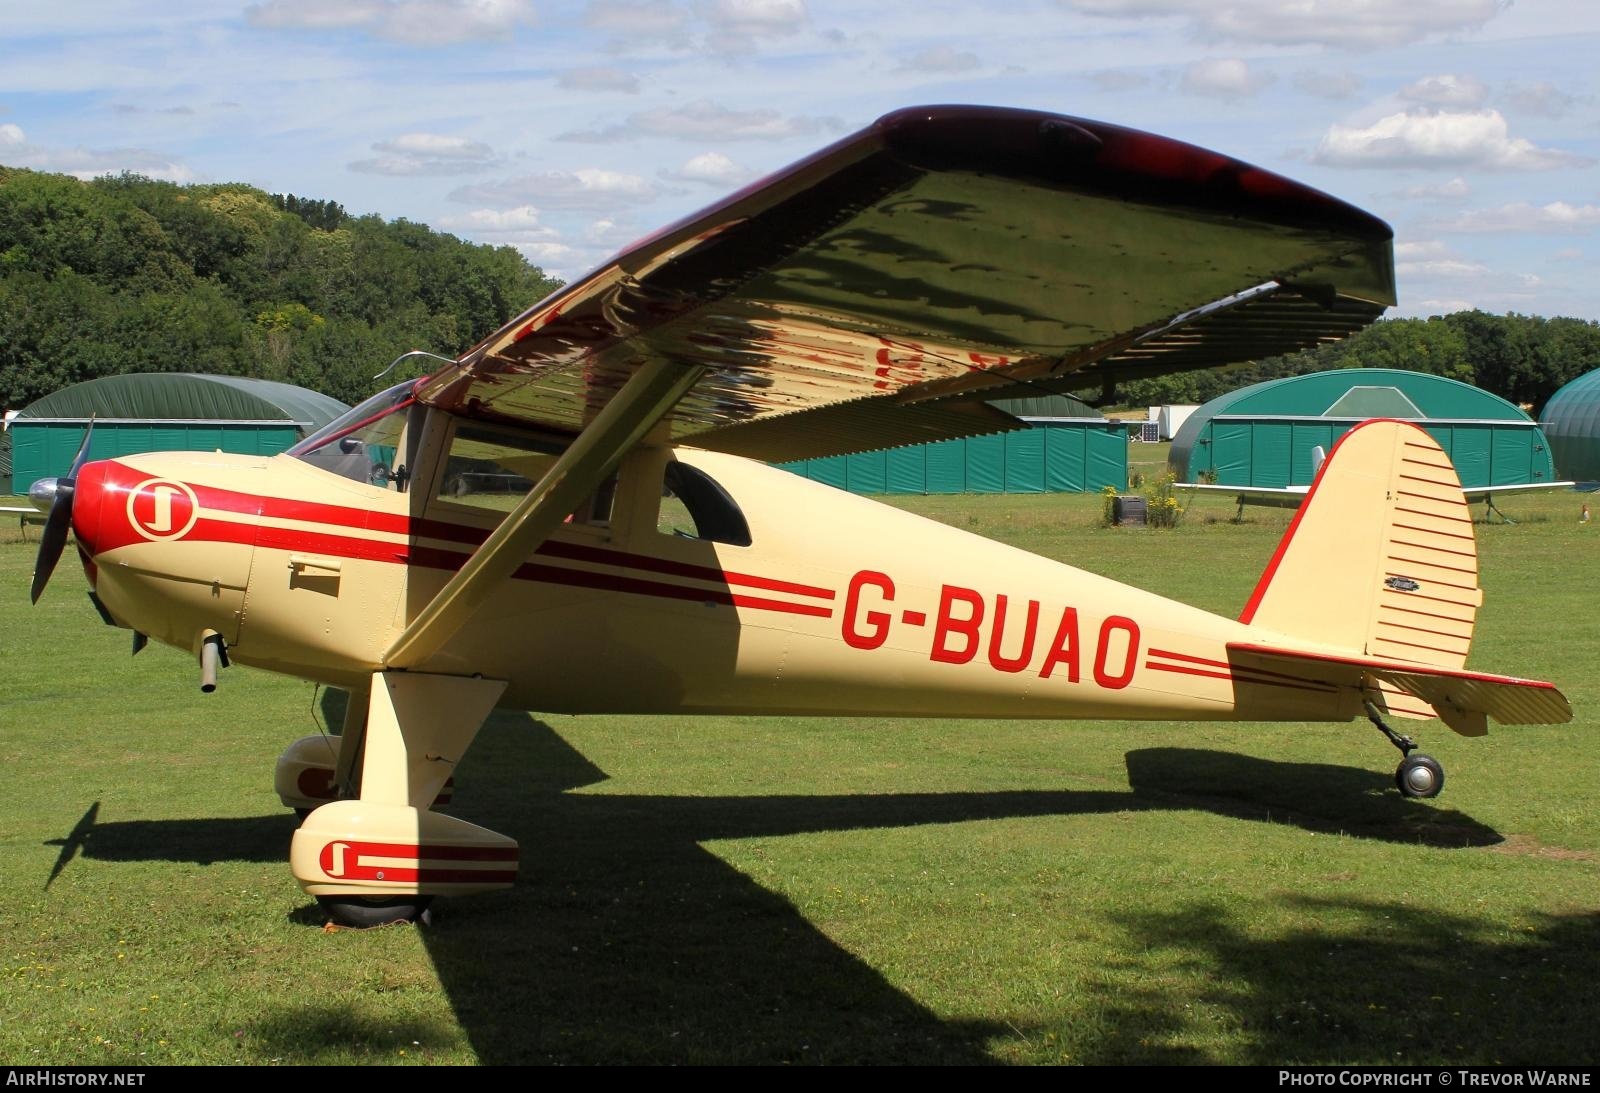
x=627 y=941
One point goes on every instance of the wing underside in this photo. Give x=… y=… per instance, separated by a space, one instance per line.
x=872 y=293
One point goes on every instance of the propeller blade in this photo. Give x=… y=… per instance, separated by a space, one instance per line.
x=83 y=451
x=54 y=539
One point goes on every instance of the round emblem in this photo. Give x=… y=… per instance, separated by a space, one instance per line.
x=159 y=508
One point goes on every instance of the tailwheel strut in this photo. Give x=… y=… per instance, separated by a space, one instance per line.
x=1399 y=740
x=1417 y=775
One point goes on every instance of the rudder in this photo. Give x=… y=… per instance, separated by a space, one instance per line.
x=1380 y=559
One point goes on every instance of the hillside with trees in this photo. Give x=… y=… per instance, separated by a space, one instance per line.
x=127 y=274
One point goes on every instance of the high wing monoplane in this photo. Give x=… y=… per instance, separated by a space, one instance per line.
x=574 y=516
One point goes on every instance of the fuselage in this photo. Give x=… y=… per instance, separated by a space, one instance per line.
x=836 y=605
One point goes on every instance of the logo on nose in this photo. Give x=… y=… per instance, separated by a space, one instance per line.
x=159 y=508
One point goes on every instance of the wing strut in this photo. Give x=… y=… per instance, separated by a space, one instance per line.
x=645 y=399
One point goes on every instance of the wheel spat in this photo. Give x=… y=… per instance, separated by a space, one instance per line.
x=59 y=522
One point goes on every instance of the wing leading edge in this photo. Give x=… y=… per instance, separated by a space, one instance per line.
x=949 y=253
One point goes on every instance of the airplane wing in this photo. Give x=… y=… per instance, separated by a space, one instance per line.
x=859 y=298
x=872 y=294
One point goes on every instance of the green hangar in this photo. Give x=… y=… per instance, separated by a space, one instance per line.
x=1264 y=435
x=1571 y=419
x=1065 y=447
x=160 y=412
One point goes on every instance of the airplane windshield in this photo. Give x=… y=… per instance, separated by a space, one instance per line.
x=363 y=443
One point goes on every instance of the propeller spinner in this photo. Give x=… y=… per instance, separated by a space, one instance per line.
x=59 y=522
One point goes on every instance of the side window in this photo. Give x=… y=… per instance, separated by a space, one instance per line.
x=694 y=506
x=489 y=469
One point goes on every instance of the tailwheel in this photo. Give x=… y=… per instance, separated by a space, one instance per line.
x=1419 y=776
x=365 y=912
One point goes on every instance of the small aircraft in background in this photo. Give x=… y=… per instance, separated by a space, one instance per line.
x=1291 y=496
x=574 y=516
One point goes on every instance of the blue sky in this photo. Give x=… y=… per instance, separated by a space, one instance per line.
x=570 y=129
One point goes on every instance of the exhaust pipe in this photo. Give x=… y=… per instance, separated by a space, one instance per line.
x=213 y=655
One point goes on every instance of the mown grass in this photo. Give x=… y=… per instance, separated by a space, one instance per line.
x=791 y=890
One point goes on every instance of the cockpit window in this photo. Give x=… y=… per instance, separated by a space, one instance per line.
x=695 y=506
x=488 y=470
x=492 y=469
x=363 y=444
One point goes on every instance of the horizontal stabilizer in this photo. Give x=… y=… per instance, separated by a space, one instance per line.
x=1459 y=698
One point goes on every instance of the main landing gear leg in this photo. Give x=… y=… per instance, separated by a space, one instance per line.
x=1417 y=775
x=383 y=856
x=317 y=769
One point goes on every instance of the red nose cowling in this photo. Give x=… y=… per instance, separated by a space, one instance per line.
x=88 y=525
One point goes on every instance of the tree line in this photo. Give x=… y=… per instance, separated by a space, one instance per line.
x=129 y=274
x=1522 y=358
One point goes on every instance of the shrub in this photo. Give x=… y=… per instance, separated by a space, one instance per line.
x=1161 y=502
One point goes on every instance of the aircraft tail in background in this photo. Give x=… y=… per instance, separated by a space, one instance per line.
x=1375 y=584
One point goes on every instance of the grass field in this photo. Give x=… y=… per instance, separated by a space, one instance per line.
x=787 y=890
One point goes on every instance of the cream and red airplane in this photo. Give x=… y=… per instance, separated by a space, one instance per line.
x=573 y=517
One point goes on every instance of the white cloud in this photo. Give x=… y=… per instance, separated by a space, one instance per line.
x=610 y=232
x=87 y=163
x=1432 y=258
x=704 y=120
x=427 y=154
x=1347 y=24
x=940 y=59
x=1112 y=79
x=712 y=168
x=541 y=253
x=1540 y=98
x=412 y=22
x=1440 y=267
x=1454 y=190
x=315 y=14
x=1557 y=216
x=587 y=188
x=174 y=111
x=1224 y=78
x=758 y=17
x=1422 y=249
x=1438 y=306
x=1447 y=91
x=599 y=79
x=1444 y=139
x=1327 y=85
x=1567 y=254
x=520 y=224
x=635 y=18
x=436 y=146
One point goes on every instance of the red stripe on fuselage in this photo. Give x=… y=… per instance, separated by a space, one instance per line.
x=1297 y=685
x=247 y=533
x=282 y=508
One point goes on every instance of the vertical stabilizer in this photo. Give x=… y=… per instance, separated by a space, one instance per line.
x=1380 y=559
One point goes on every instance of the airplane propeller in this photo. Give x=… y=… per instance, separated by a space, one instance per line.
x=59 y=522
